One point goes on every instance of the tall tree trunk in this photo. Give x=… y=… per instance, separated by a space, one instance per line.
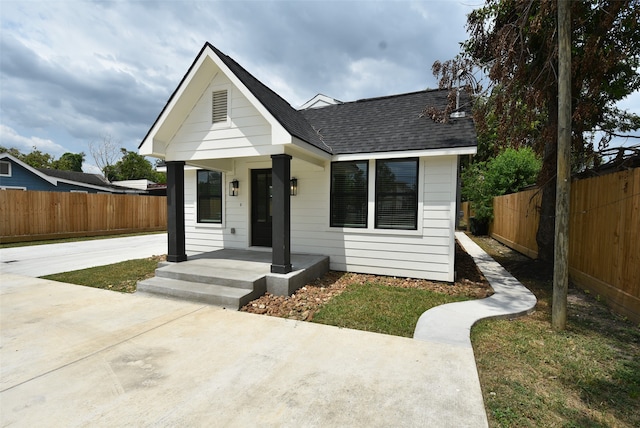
x=545 y=236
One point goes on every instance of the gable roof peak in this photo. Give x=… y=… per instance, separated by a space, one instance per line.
x=280 y=110
x=319 y=101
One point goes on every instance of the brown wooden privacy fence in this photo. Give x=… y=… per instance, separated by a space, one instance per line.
x=604 y=235
x=33 y=215
x=465 y=208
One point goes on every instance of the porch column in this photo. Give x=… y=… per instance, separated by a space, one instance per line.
x=175 y=212
x=281 y=215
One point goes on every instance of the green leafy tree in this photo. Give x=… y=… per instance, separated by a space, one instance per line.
x=515 y=43
x=70 y=162
x=38 y=159
x=35 y=158
x=132 y=166
x=12 y=151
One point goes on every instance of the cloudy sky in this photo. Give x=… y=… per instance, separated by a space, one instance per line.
x=73 y=72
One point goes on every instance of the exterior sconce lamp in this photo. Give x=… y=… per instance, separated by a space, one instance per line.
x=294 y=186
x=233 y=188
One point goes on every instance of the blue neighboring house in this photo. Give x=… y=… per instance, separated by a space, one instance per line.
x=15 y=174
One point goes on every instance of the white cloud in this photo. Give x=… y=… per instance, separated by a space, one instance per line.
x=73 y=71
x=90 y=168
x=10 y=138
x=631 y=103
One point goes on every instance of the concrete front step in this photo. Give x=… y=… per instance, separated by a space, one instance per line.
x=213 y=294
x=213 y=273
x=232 y=278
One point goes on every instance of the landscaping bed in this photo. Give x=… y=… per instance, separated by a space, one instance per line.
x=306 y=301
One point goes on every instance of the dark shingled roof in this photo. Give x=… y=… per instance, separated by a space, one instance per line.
x=84 y=178
x=384 y=124
x=392 y=123
x=79 y=177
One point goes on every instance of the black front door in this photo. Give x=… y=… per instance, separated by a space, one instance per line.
x=261 y=207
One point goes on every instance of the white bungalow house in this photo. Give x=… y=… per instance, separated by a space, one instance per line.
x=371 y=183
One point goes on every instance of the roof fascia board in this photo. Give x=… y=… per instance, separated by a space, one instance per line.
x=31 y=169
x=90 y=186
x=150 y=139
x=296 y=153
x=155 y=125
x=319 y=98
x=406 y=154
x=308 y=153
x=307 y=147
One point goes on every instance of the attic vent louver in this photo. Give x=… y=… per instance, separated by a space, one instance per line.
x=219 y=106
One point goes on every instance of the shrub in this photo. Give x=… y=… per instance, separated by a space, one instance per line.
x=509 y=172
x=512 y=170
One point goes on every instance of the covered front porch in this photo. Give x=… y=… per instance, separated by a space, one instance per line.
x=250 y=208
x=231 y=277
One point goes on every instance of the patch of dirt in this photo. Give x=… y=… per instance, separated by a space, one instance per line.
x=306 y=301
x=516 y=263
x=160 y=258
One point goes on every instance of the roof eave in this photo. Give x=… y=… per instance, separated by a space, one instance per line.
x=445 y=151
x=31 y=169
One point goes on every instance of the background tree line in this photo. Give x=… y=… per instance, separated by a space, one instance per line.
x=37 y=159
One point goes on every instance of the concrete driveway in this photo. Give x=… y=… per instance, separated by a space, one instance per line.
x=77 y=356
x=41 y=260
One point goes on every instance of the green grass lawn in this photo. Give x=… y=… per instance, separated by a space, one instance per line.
x=532 y=376
x=122 y=277
x=380 y=308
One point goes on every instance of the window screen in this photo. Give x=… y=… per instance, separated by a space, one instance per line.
x=209 y=197
x=349 y=184
x=219 y=106
x=397 y=194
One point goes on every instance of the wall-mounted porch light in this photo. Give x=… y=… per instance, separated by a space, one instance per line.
x=233 y=188
x=294 y=186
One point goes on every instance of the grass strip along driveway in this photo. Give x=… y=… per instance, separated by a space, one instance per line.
x=531 y=376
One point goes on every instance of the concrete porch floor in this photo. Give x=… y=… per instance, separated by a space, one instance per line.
x=231 y=278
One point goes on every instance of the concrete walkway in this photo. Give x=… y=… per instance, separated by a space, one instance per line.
x=451 y=323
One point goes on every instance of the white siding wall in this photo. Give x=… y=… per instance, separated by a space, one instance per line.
x=242 y=135
x=426 y=253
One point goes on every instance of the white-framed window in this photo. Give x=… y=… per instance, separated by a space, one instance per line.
x=349 y=194
x=396 y=199
x=209 y=196
x=376 y=195
x=5 y=169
